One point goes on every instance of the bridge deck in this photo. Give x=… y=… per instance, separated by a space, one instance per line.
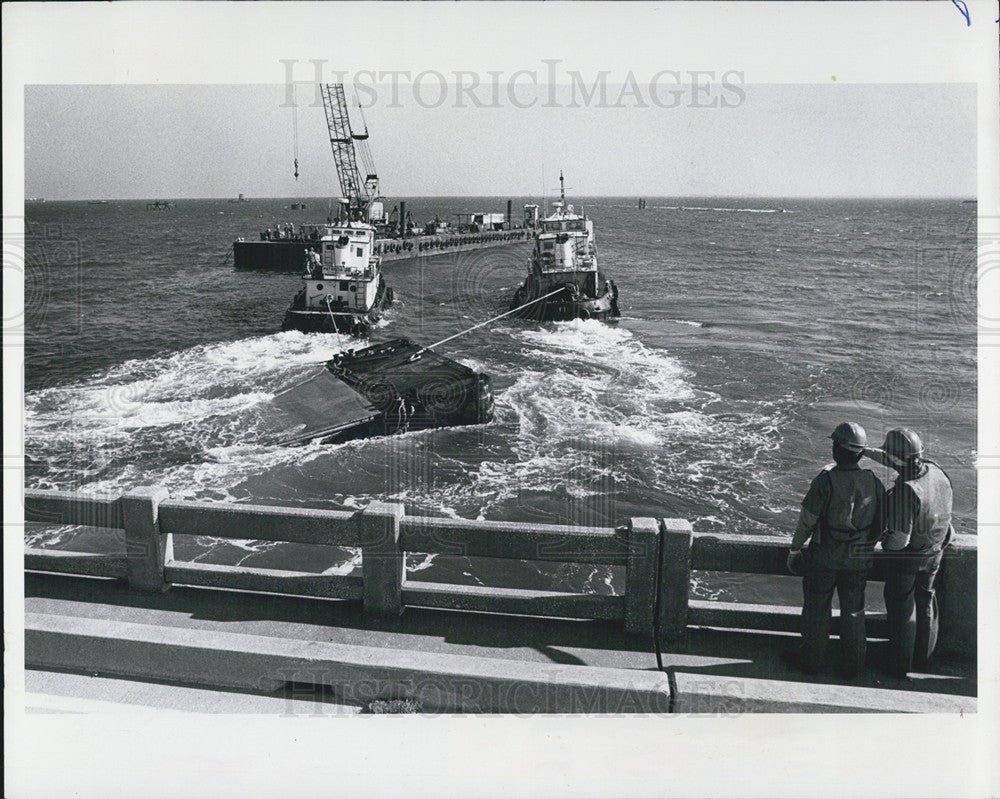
x=715 y=663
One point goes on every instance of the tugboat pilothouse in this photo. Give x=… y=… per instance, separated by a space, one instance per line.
x=563 y=270
x=343 y=289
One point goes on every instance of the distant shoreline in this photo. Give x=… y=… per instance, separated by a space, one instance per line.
x=624 y=197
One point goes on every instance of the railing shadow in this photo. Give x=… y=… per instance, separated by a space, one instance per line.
x=757 y=655
x=321 y=619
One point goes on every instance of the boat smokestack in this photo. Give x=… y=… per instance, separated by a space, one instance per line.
x=510 y=210
x=402 y=218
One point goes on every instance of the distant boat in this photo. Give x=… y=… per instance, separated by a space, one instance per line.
x=159 y=205
x=97 y=202
x=240 y=199
x=969 y=202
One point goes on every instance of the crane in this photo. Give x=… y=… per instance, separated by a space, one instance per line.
x=358 y=187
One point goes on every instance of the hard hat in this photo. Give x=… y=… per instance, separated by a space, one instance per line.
x=903 y=444
x=851 y=436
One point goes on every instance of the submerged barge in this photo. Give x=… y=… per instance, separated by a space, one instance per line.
x=394 y=387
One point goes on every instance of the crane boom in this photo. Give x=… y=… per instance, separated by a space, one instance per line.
x=358 y=189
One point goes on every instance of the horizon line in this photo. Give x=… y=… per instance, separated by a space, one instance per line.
x=530 y=196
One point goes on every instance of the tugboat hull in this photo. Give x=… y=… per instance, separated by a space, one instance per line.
x=336 y=320
x=568 y=305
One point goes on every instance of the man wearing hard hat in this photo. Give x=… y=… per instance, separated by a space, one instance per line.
x=841 y=518
x=918 y=528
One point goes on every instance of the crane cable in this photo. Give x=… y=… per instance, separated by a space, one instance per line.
x=295 y=137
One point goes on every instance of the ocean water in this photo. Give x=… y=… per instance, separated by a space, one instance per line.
x=750 y=328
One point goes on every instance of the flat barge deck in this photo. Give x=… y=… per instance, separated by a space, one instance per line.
x=288 y=255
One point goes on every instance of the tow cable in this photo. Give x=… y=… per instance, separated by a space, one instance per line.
x=488 y=321
x=332 y=317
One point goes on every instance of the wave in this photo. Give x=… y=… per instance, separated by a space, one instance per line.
x=187 y=420
x=586 y=413
x=723 y=208
x=591 y=413
x=687 y=322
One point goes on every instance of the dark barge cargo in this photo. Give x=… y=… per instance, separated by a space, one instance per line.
x=388 y=388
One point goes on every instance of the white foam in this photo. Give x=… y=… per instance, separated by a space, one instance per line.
x=584 y=410
x=590 y=409
x=200 y=403
x=346 y=567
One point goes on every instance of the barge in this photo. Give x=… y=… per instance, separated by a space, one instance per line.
x=288 y=252
x=389 y=388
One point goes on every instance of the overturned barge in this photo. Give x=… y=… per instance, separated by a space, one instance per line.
x=388 y=388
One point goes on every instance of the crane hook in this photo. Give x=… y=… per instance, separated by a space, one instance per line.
x=295 y=137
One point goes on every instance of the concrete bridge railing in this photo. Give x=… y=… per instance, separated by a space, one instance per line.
x=658 y=556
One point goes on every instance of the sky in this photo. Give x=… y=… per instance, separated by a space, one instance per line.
x=680 y=134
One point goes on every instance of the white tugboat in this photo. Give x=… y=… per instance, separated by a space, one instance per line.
x=563 y=270
x=343 y=289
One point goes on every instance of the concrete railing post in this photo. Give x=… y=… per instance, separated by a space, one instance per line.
x=382 y=559
x=640 y=578
x=958 y=602
x=144 y=546
x=675 y=577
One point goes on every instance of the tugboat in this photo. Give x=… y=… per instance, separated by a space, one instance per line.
x=389 y=388
x=563 y=270
x=343 y=290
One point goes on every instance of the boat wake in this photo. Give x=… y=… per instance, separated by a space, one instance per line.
x=188 y=420
x=586 y=415
x=588 y=412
